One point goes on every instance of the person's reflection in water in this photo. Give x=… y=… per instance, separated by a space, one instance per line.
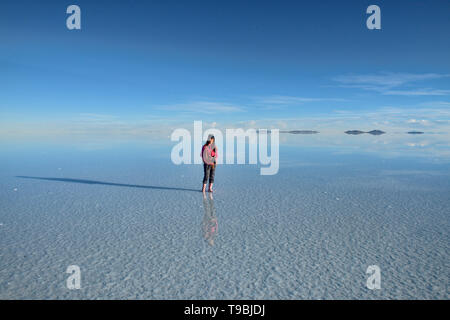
x=209 y=224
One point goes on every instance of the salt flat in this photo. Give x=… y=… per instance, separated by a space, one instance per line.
x=133 y=222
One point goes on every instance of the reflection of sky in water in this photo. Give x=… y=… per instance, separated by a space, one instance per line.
x=432 y=145
x=210 y=225
x=138 y=228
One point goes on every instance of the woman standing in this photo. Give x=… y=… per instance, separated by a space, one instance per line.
x=209 y=155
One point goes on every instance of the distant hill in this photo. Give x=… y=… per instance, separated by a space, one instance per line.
x=415 y=132
x=354 y=132
x=373 y=132
x=376 y=132
x=300 y=132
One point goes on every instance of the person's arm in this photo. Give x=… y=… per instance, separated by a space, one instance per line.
x=202 y=154
x=205 y=155
x=215 y=155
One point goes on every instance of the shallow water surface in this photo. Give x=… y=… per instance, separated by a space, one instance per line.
x=138 y=227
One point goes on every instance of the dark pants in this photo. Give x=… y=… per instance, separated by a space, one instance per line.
x=209 y=171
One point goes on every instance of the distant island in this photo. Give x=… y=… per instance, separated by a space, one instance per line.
x=300 y=131
x=376 y=132
x=373 y=132
x=354 y=132
x=415 y=132
x=294 y=131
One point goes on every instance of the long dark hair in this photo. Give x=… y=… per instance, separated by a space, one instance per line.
x=207 y=143
x=209 y=140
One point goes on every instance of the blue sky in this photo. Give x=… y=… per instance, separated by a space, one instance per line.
x=224 y=61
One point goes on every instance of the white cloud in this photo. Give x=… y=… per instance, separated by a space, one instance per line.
x=387 y=79
x=420 y=121
x=419 y=92
x=389 y=83
x=202 y=107
x=285 y=100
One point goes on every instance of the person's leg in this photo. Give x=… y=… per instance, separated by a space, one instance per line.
x=211 y=178
x=205 y=176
